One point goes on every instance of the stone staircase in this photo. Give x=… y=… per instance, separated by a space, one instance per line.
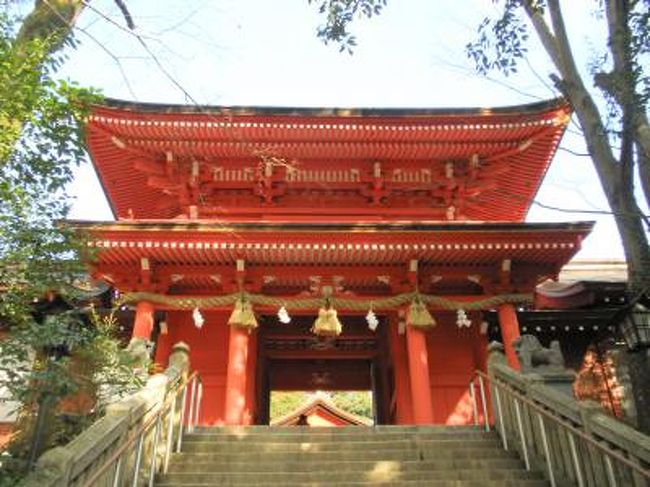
x=384 y=455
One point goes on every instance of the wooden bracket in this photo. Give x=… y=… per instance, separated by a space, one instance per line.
x=505 y=277
x=145 y=271
x=240 y=273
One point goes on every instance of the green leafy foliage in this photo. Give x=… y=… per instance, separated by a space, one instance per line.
x=501 y=41
x=284 y=402
x=35 y=356
x=108 y=370
x=68 y=368
x=355 y=402
x=54 y=352
x=339 y=14
x=41 y=141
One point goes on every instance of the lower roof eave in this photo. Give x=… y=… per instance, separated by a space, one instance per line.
x=208 y=226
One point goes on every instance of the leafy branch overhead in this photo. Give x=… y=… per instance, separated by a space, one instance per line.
x=41 y=142
x=52 y=355
x=500 y=45
x=339 y=14
x=611 y=108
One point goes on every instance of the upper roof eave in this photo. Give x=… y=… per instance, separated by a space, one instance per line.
x=144 y=107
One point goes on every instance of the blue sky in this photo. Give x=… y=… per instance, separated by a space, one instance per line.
x=263 y=52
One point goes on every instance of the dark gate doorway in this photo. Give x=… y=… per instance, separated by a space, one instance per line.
x=292 y=358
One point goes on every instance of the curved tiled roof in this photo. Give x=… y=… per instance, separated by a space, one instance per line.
x=245 y=162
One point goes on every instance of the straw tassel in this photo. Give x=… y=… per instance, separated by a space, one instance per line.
x=243 y=316
x=236 y=315
x=419 y=316
x=327 y=323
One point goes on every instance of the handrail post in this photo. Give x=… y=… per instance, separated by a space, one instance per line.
x=138 y=459
x=522 y=435
x=179 y=440
x=576 y=461
x=156 y=439
x=197 y=404
x=472 y=396
x=502 y=429
x=547 y=450
x=190 y=416
x=610 y=471
x=170 y=434
x=486 y=420
x=118 y=472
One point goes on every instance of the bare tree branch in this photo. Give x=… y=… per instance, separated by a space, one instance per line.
x=125 y=12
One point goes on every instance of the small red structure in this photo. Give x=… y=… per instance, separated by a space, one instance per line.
x=395 y=215
x=320 y=411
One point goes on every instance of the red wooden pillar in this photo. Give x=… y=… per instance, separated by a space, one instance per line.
x=480 y=341
x=163 y=349
x=143 y=325
x=416 y=343
x=404 y=411
x=236 y=375
x=509 y=332
x=251 y=369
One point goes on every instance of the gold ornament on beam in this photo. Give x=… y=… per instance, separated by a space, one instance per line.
x=419 y=316
x=243 y=316
x=327 y=324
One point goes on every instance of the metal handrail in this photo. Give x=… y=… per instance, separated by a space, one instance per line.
x=541 y=410
x=484 y=407
x=116 y=460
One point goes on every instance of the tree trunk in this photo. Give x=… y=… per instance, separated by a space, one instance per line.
x=49 y=21
x=618 y=189
x=632 y=367
x=620 y=193
x=643 y=160
x=630 y=223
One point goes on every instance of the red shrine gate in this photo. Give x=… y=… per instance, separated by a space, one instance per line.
x=415 y=216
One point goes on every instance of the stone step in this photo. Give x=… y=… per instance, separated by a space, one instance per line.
x=367 y=455
x=467 y=453
x=380 y=473
x=402 y=483
x=332 y=436
x=191 y=465
x=338 y=430
x=206 y=446
x=405 y=456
